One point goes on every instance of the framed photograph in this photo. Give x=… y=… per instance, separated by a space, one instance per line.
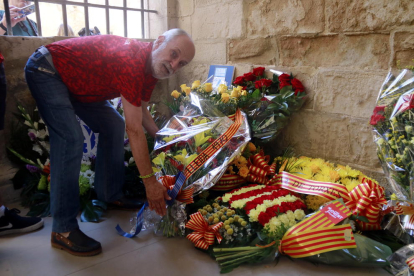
x=221 y=74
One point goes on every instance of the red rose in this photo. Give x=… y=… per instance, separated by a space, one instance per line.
x=249 y=77
x=258 y=84
x=297 y=86
x=283 y=84
x=239 y=80
x=263 y=83
x=284 y=77
x=258 y=71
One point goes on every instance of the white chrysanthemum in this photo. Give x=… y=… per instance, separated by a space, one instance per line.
x=273 y=224
x=299 y=214
x=290 y=215
x=284 y=219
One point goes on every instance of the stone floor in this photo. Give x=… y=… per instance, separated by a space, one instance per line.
x=148 y=254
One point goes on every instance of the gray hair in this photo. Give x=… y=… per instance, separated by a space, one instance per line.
x=173 y=33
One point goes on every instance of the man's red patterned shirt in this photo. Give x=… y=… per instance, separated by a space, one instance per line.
x=103 y=67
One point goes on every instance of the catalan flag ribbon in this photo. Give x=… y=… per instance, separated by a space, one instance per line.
x=204 y=234
x=184 y=196
x=409 y=211
x=410 y=263
x=318 y=233
x=298 y=184
x=214 y=147
x=367 y=200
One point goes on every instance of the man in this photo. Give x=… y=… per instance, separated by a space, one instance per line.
x=76 y=77
x=21 y=26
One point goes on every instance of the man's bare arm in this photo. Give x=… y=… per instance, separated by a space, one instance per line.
x=148 y=121
x=156 y=192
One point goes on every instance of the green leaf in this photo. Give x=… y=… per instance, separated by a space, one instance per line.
x=92 y=212
x=362 y=218
x=256 y=94
x=100 y=204
x=286 y=89
x=42 y=209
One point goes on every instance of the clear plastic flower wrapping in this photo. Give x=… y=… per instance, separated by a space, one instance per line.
x=179 y=142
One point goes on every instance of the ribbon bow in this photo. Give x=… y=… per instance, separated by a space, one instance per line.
x=184 y=196
x=366 y=199
x=204 y=234
x=259 y=168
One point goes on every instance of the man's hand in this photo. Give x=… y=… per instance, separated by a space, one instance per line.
x=13 y=14
x=156 y=195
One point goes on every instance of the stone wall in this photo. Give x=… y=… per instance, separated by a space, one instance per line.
x=340 y=49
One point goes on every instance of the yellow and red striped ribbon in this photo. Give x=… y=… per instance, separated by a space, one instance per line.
x=318 y=233
x=261 y=161
x=184 y=196
x=204 y=234
x=367 y=200
x=214 y=147
x=410 y=263
x=312 y=242
x=298 y=184
x=409 y=211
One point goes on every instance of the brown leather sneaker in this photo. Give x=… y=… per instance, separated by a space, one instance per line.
x=77 y=243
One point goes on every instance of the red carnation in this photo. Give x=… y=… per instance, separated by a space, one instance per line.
x=378 y=115
x=239 y=80
x=297 y=86
x=249 y=77
x=258 y=71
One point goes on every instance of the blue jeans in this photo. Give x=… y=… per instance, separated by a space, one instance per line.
x=58 y=110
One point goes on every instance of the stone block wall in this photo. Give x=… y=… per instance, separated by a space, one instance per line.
x=340 y=49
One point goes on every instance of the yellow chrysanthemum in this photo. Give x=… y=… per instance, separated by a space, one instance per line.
x=314 y=202
x=304 y=172
x=352 y=184
x=322 y=177
x=241 y=161
x=244 y=171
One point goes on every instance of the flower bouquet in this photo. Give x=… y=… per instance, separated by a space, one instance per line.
x=392 y=122
x=253 y=223
x=268 y=103
x=191 y=153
